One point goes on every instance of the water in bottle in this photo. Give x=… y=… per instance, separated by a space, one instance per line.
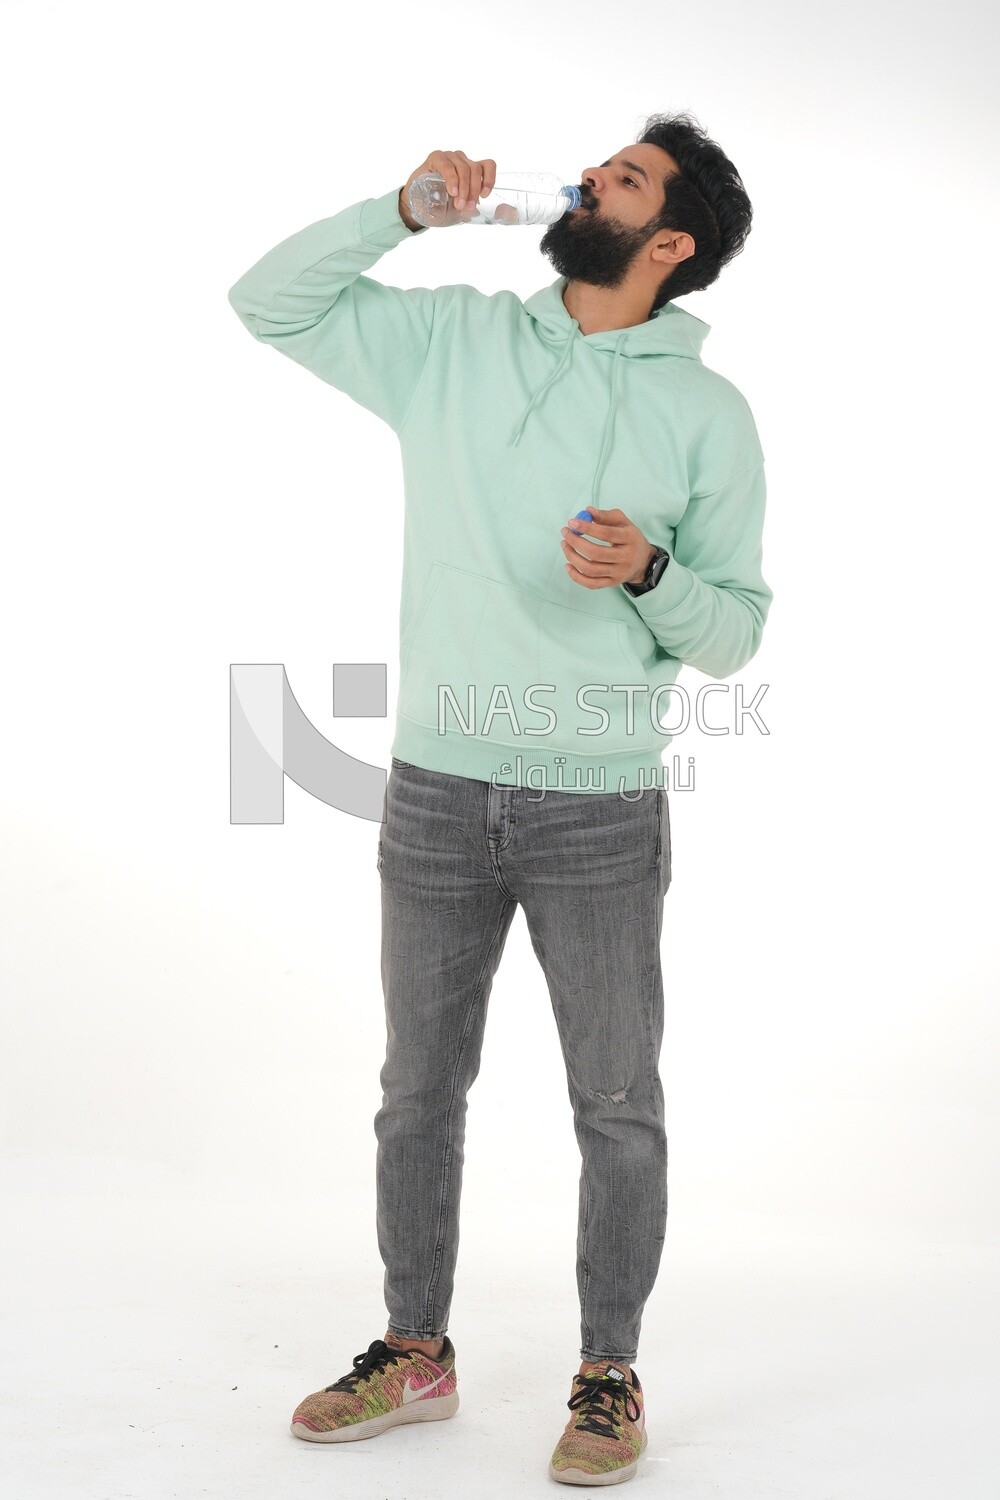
x=516 y=198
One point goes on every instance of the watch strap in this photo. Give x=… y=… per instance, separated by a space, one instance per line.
x=654 y=572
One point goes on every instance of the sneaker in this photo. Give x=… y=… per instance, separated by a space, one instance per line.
x=386 y=1387
x=607 y=1431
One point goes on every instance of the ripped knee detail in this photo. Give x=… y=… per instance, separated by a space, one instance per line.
x=618 y=1098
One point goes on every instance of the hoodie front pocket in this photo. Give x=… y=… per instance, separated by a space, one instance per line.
x=489 y=659
x=581 y=649
x=473 y=645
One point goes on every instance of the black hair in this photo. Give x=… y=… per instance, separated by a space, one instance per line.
x=707 y=201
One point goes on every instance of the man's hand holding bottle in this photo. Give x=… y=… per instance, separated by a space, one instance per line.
x=466 y=182
x=449 y=188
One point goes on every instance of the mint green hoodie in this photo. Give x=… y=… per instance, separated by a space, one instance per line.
x=511 y=420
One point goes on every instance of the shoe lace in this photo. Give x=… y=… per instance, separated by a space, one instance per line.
x=595 y=1415
x=378 y=1356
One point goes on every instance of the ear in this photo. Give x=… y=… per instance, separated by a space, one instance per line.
x=672 y=246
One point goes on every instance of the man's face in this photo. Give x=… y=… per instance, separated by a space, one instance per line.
x=599 y=241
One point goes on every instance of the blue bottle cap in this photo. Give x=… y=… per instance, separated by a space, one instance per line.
x=583 y=515
x=575 y=197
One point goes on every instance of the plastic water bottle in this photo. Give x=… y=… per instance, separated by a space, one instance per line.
x=517 y=198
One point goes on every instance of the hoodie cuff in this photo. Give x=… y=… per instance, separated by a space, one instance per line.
x=676 y=582
x=381 y=224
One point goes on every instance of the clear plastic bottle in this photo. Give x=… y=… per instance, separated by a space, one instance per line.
x=517 y=198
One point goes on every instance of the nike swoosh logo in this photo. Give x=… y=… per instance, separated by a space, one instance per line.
x=414 y=1392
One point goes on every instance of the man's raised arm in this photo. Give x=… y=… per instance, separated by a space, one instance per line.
x=308 y=298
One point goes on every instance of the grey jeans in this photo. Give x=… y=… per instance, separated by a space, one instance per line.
x=591 y=870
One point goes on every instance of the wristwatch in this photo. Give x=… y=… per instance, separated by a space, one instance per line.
x=652 y=575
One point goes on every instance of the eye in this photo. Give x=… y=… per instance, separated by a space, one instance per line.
x=629 y=179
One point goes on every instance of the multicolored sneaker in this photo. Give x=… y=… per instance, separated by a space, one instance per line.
x=607 y=1431
x=386 y=1387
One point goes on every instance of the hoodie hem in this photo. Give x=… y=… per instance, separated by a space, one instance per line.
x=537 y=767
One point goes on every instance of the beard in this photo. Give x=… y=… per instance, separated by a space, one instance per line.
x=584 y=246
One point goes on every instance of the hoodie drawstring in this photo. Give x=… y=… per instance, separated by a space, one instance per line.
x=515 y=436
x=609 y=424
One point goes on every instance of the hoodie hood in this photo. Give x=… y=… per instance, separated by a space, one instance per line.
x=671 y=333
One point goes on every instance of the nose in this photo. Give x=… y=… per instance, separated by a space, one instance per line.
x=592 y=182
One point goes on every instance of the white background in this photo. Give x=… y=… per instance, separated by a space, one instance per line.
x=193 y=1021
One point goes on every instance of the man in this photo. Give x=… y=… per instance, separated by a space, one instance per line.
x=512 y=417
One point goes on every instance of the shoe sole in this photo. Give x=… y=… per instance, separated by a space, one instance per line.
x=430 y=1409
x=613 y=1476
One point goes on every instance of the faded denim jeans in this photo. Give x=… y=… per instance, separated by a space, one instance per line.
x=591 y=870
